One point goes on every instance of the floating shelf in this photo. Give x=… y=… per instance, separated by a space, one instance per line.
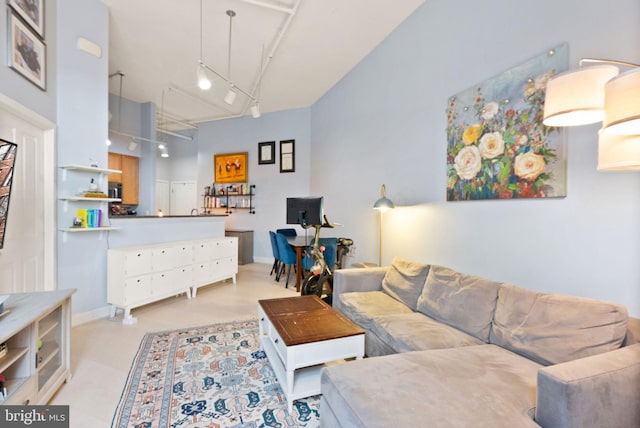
x=84 y=198
x=91 y=169
x=87 y=229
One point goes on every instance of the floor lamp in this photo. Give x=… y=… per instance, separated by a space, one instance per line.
x=383 y=204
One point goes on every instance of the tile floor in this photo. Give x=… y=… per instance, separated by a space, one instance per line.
x=102 y=351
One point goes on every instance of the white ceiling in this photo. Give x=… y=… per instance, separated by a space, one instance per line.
x=156 y=44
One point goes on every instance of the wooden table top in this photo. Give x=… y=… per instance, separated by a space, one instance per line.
x=306 y=319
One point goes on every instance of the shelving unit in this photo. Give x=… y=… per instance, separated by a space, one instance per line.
x=68 y=199
x=230 y=199
x=33 y=373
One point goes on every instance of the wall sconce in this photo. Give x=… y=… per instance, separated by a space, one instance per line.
x=599 y=93
x=383 y=204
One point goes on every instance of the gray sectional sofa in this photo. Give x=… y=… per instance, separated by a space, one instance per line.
x=445 y=349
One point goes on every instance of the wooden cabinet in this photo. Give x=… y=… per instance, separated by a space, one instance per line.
x=115 y=162
x=130 y=177
x=140 y=275
x=245 y=244
x=36 y=329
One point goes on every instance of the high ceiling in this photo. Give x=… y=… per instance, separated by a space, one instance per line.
x=156 y=44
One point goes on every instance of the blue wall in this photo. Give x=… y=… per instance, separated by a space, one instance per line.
x=385 y=123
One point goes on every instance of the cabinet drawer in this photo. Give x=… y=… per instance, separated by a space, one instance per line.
x=162 y=282
x=202 y=251
x=277 y=341
x=137 y=289
x=137 y=262
x=183 y=278
x=202 y=273
x=163 y=258
x=183 y=255
x=25 y=395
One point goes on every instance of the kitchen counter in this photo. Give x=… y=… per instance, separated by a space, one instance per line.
x=146 y=230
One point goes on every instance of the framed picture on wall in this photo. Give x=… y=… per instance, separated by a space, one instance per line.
x=267 y=153
x=288 y=156
x=32 y=12
x=230 y=168
x=27 y=53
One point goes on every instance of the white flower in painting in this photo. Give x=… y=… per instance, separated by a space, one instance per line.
x=491 y=145
x=490 y=110
x=468 y=162
x=529 y=166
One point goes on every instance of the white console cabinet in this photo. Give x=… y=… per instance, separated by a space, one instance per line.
x=141 y=275
x=35 y=327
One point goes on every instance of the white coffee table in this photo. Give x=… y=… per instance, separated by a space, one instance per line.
x=299 y=335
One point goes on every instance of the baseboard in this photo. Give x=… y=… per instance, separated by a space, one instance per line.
x=93 y=315
x=265 y=260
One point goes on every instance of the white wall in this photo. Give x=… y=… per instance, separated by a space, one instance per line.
x=385 y=123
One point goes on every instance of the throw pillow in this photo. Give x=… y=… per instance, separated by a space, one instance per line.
x=404 y=281
x=463 y=301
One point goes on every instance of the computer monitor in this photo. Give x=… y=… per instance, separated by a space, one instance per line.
x=305 y=211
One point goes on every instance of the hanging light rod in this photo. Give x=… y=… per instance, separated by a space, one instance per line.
x=135 y=137
x=608 y=61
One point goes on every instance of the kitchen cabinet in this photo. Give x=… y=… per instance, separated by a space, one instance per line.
x=130 y=177
x=36 y=329
x=245 y=244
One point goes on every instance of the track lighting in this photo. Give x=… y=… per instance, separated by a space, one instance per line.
x=230 y=97
x=204 y=82
x=255 y=110
x=165 y=153
x=133 y=145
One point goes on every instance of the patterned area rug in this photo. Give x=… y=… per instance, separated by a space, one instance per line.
x=208 y=377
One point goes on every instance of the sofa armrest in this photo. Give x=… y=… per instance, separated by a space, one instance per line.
x=601 y=390
x=356 y=279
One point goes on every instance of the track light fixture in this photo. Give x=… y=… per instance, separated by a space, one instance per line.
x=255 y=110
x=204 y=71
x=164 y=153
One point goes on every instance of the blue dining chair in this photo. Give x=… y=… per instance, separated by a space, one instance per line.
x=330 y=252
x=287 y=232
x=287 y=255
x=276 y=255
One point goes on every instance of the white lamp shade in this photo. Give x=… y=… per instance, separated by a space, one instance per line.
x=203 y=80
x=577 y=97
x=622 y=104
x=618 y=152
x=230 y=97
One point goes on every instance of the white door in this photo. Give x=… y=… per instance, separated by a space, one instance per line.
x=184 y=197
x=162 y=196
x=28 y=257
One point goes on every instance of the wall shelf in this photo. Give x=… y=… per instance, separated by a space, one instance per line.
x=87 y=229
x=84 y=198
x=103 y=171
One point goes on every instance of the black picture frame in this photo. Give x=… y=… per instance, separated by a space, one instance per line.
x=267 y=153
x=8 y=153
x=27 y=53
x=288 y=156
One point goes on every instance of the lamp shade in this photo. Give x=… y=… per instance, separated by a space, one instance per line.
x=383 y=203
x=618 y=152
x=622 y=104
x=577 y=97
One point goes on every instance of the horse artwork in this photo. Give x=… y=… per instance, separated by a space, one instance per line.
x=231 y=168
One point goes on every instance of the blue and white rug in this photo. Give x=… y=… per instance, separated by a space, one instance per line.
x=208 y=377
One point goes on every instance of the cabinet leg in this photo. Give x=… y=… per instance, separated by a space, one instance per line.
x=128 y=319
x=194 y=290
x=188 y=293
x=112 y=311
x=234 y=279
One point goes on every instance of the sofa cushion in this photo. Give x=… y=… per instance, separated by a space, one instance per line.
x=418 y=332
x=362 y=307
x=554 y=328
x=404 y=281
x=464 y=301
x=473 y=386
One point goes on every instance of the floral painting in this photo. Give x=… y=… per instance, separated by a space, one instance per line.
x=497 y=146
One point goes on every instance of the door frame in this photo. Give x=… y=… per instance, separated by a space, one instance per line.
x=49 y=186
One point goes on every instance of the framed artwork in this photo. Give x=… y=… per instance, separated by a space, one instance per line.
x=231 y=168
x=288 y=156
x=267 y=153
x=497 y=145
x=32 y=12
x=27 y=53
x=7 y=162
